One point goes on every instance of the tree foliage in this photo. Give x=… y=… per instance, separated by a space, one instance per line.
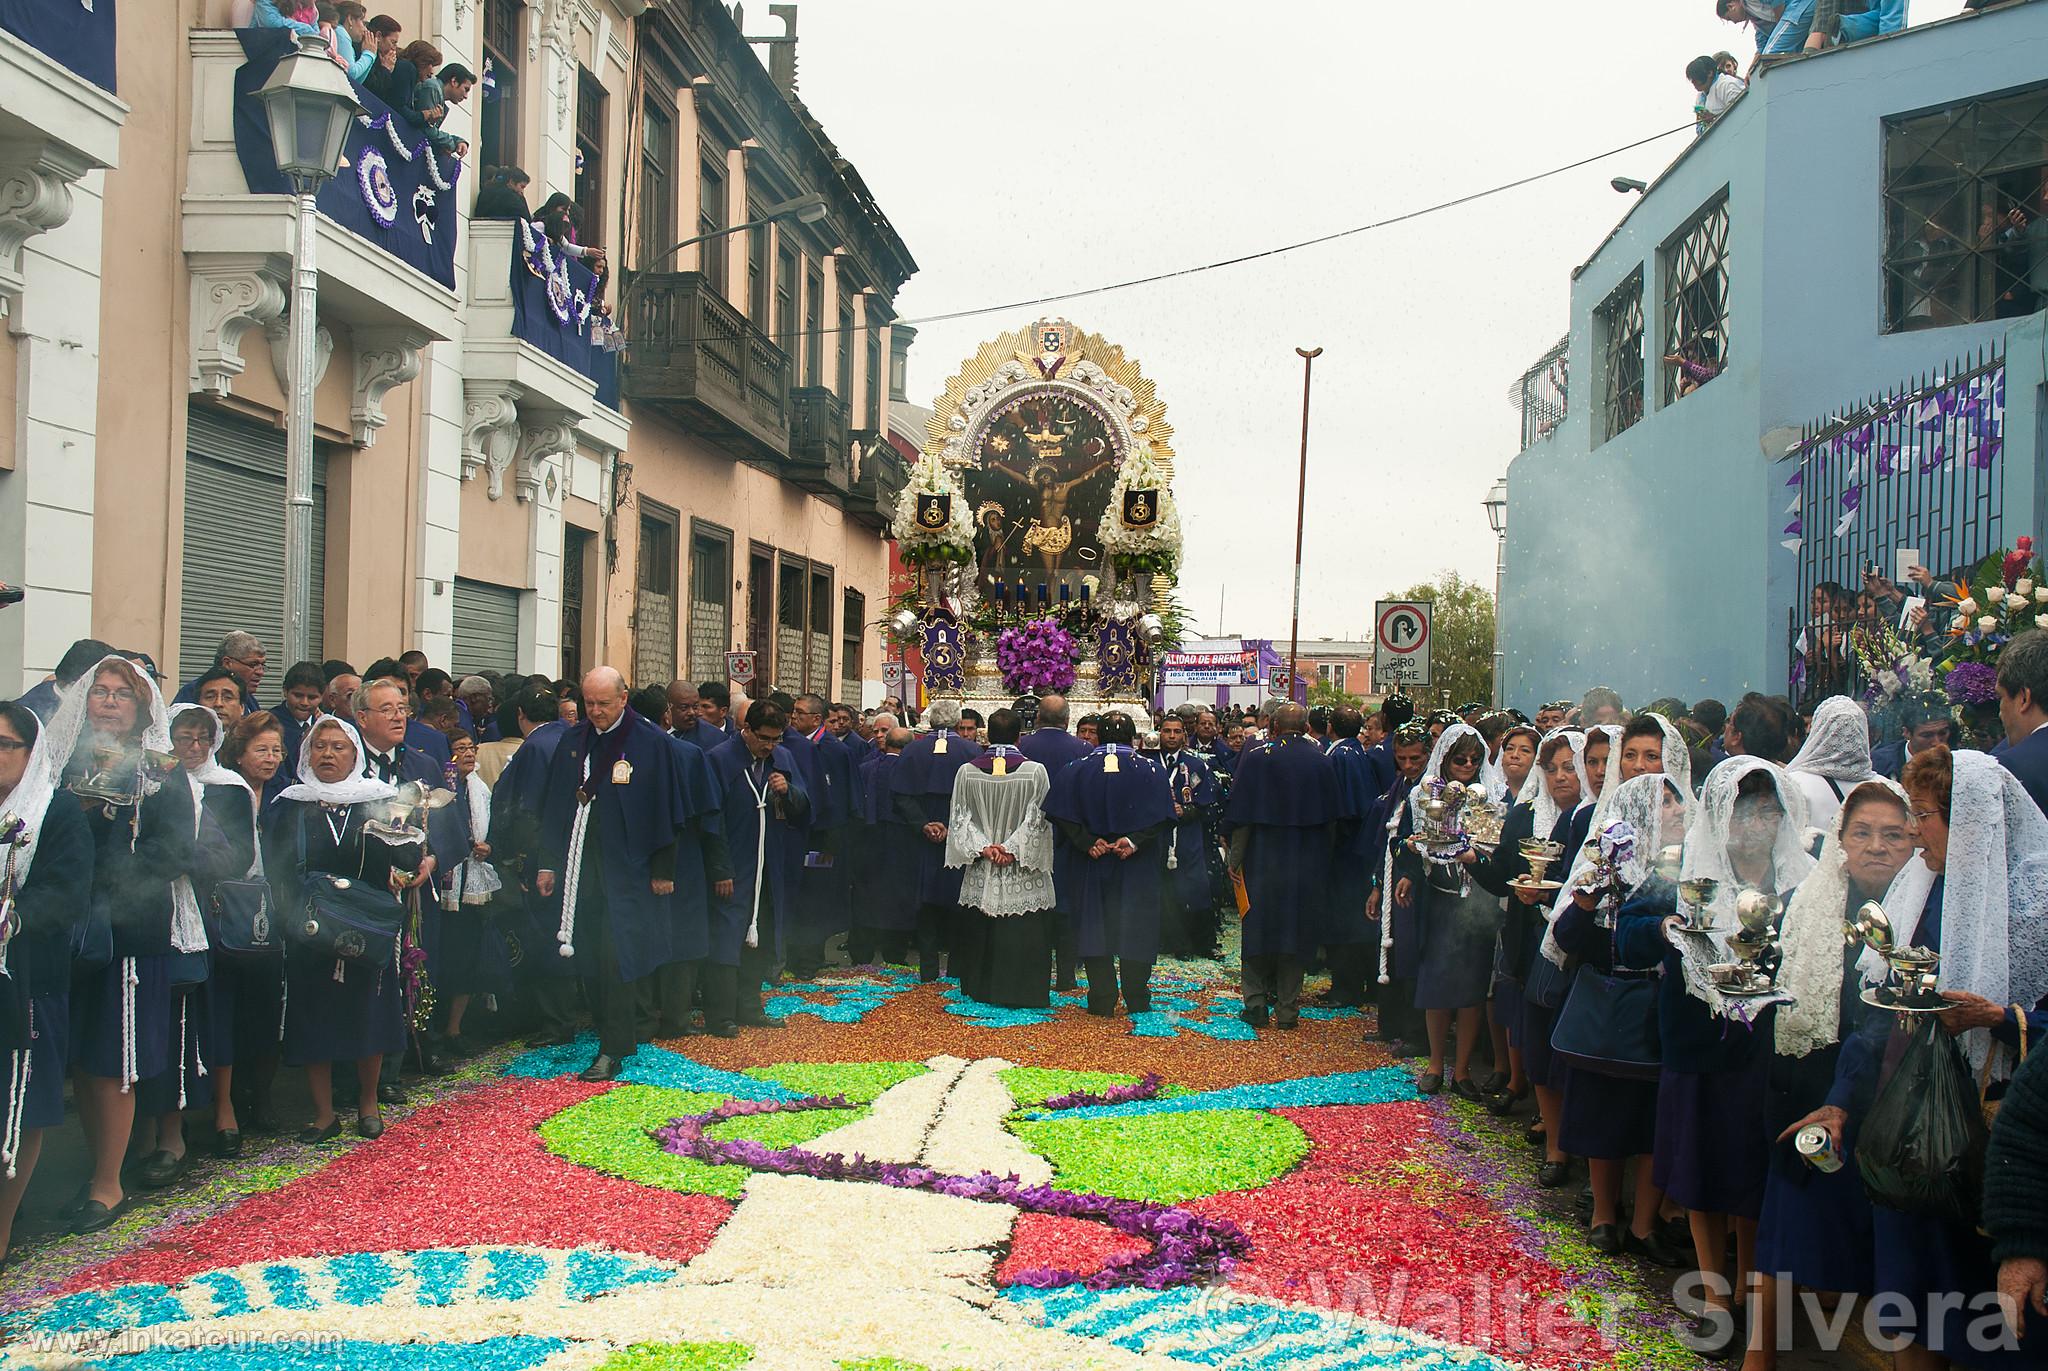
x=1460 y=636
x=1326 y=694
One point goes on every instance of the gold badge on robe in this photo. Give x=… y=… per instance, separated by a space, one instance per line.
x=622 y=772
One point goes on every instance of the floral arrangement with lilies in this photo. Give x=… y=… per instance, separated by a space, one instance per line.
x=1154 y=547
x=2007 y=596
x=952 y=542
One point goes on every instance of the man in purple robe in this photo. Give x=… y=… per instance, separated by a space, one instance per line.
x=1282 y=821
x=1113 y=809
x=1052 y=747
x=923 y=795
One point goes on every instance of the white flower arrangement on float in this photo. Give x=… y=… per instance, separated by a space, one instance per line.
x=923 y=542
x=1152 y=544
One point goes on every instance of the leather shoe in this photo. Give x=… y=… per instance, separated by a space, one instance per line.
x=1653 y=1249
x=1535 y=1134
x=1257 y=1017
x=1551 y=1175
x=724 y=1030
x=1431 y=1083
x=605 y=1068
x=1503 y=1103
x=559 y=1038
x=160 y=1169
x=390 y=1092
x=94 y=1216
x=1606 y=1238
x=227 y=1142
x=1287 y=1021
x=313 y=1137
x=370 y=1125
x=759 y=1021
x=1466 y=1090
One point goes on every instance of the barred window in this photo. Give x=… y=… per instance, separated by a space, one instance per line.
x=1966 y=212
x=1621 y=350
x=1696 y=303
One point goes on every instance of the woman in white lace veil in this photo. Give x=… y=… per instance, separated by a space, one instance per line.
x=1834 y=759
x=1815 y=1229
x=1536 y=793
x=1987 y=914
x=1610 y=1117
x=122 y=1012
x=1646 y=743
x=1750 y=816
x=45 y=886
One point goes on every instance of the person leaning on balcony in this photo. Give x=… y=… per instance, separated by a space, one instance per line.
x=377 y=74
x=503 y=195
x=417 y=63
x=559 y=216
x=431 y=99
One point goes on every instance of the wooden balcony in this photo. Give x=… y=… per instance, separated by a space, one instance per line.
x=818 y=437
x=694 y=357
x=871 y=500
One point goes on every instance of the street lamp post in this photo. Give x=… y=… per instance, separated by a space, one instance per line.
x=1308 y=363
x=1496 y=503
x=804 y=209
x=309 y=101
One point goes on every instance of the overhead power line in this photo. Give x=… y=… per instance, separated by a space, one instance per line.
x=1318 y=241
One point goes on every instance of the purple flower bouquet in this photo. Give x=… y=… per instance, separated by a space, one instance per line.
x=1035 y=658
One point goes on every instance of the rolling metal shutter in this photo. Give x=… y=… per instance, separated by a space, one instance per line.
x=234 y=540
x=486 y=628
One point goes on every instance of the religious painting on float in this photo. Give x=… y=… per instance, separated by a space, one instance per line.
x=1047 y=462
x=1038 y=424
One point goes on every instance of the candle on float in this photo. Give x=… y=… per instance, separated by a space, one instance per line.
x=1002 y=593
x=1084 y=592
x=1043 y=595
x=1066 y=593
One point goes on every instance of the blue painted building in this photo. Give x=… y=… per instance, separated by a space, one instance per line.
x=1819 y=245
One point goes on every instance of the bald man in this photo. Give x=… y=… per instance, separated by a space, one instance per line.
x=616 y=803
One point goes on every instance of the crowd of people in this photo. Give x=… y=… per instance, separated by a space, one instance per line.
x=389 y=869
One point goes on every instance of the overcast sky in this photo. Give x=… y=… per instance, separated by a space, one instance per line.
x=1024 y=151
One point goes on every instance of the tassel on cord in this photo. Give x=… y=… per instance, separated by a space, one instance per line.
x=753 y=938
x=129 y=981
x=182 y=1001
x=284 y=1000
x=17 y=1105
x=572 y=877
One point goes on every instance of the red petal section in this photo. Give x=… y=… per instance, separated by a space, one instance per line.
x=1041 y=1241
x=468 y=1171
x=1365 y=1225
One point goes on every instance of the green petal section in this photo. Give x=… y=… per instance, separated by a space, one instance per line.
x=679 y=1356
x=1031 y=1086
x=609 y=1133
x=1166 y=1158
x=860 y=1082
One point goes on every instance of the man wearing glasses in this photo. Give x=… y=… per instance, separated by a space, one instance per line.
x=241 y=655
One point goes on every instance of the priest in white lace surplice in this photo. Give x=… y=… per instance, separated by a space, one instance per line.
x=998 y=831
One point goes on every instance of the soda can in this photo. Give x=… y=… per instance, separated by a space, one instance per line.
x=1818 y=1149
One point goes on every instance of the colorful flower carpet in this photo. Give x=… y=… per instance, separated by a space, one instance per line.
x=896 y=1180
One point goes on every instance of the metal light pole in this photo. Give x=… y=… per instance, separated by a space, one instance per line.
x=1496 y=503
x=310 y=101
x=1308 y=364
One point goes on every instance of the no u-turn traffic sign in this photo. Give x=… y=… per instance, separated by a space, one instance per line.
x=1400 y=644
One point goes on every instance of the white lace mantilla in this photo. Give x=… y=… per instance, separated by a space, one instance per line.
x=1007 y=812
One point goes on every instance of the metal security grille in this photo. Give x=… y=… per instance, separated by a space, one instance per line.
x=1696 y=303
x=1541 y=392
x=1919 y=467
x=852 y=633
x=654 y=606
x=233 y=564
x=1621 y=373
x=486 y=627
x=1966 y=211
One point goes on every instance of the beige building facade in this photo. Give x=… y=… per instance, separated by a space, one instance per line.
x=475 y=496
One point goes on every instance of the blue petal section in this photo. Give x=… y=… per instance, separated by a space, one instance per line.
x=493 y=1354
x=230 y=1296
x=594 y=1273
x=440 y=1274
x=362 y=1278
x=1347 y=1087
x=288 y=1287
x=649 y=1066
x=513 y=1274
x=1238 y=1333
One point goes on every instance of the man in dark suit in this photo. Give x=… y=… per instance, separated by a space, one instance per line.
x=1923 y=721
x=381 y=718
x=2023 y=708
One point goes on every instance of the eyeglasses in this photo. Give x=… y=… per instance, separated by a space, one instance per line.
x=1920 y=814
x=102 y=695
x=1878 y=837
x=387 y=711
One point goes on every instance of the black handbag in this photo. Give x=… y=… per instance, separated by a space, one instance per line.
x=347 y=919
x=1609 y=1026
x=242 y=924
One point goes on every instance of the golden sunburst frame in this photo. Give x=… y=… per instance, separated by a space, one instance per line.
x=1053 y=356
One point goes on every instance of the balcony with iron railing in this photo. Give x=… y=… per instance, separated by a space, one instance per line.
x=819 y=460
x=1541 y=393
x=693 y=357
x=878 y=485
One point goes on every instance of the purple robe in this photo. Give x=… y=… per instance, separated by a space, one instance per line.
x=1286 y=795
